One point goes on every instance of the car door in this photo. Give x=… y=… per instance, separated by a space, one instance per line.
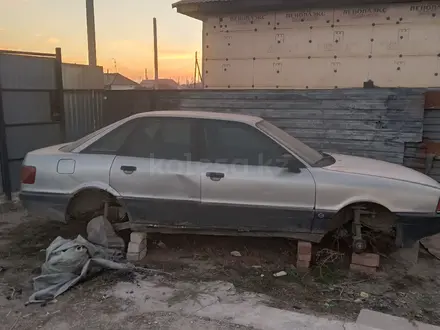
x=155 y=173
x=245 y=186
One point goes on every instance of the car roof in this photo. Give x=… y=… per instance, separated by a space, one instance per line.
x=252 y=120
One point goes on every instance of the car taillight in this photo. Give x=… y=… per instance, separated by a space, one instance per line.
x=28 y=174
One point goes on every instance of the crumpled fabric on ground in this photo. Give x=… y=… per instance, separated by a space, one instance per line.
x=69 y=262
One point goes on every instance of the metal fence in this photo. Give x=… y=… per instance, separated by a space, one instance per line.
x=43 y=102
x=83 y=112
x=31 y=108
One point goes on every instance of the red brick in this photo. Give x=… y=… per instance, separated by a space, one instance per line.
x=304 y=257
x=366 y=259
x=363 y=269
x=304 y=248
x=301 y=264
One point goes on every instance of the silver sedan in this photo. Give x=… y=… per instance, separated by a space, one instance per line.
x=226 y=174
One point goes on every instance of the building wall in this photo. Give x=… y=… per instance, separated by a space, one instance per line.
x=122 y=87
x=391 y=45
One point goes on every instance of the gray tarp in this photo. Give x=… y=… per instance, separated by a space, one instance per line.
x=70 y=261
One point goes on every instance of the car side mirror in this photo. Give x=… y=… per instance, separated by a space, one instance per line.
x=290 y=163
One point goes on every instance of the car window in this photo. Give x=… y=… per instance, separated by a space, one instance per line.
x=309 y=155
x=160 y=138
x=238 y=143
x=75 y=144
x=114 y=140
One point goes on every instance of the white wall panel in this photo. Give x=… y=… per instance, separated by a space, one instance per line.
x=364 y=16
x=228 y=74
x=425 y=13
x=293 y=43
x=211 y=24
x=304 y=19
x=341 y=47
x=406 y=39
x=341 y=41
x=405 y=72
x=222 y=45
x=251 y=22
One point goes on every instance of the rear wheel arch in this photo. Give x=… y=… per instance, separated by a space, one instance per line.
x=88 y=202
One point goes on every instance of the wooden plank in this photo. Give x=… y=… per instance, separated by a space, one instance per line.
x=432 y=100
x=377 y=123
x=336 y=94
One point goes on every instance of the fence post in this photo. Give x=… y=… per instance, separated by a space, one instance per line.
x=4 y=157
x=154 y=100
x=60 y=92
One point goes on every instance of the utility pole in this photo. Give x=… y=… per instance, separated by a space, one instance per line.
x=156 y=56
x=195 y=71
x=91 y=34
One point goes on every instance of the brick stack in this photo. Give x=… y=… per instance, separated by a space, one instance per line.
x=304 y=255
x=137 y=248
x=365 y=262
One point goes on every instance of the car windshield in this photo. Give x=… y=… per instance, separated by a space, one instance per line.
x=309 y=155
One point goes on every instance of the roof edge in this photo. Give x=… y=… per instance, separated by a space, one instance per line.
x=202 y=8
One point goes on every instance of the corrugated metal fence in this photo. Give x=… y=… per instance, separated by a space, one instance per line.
x=83 y=112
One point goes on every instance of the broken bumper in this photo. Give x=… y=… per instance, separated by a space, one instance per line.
x=45 y=205
x=413 y=227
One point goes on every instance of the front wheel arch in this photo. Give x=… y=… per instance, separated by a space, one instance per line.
x=345 y=214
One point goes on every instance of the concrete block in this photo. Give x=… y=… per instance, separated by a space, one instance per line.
x=132 y=256
x=302 y=265
x=304 y=248
x=138 y=237
x=137 y=247
x=304 y=257
x=363 y=269
x=366 y=259
x=387 y=322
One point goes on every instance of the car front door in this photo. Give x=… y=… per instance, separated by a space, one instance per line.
x=155 y=173
x=245 y=184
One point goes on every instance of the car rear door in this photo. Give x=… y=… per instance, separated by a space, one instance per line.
x=245 y=185
x=155 y=173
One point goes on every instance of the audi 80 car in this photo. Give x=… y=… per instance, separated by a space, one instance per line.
x=226 y=174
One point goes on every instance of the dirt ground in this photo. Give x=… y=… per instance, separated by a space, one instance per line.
x=324 y=290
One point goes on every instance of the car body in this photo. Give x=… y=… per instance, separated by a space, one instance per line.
x=206 y=172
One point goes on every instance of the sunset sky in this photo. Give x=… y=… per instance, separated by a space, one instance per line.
x=124 y=32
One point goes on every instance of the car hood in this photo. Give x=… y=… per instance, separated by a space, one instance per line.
x=377 y=168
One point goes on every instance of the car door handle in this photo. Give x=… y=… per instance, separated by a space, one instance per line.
x=128 y=169
x=215 y=176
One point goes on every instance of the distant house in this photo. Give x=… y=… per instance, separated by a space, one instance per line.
x=116 y=81
x=162 y=84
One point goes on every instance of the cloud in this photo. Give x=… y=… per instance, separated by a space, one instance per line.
x=38 y=35
x=53 y=40
x=2 y=29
